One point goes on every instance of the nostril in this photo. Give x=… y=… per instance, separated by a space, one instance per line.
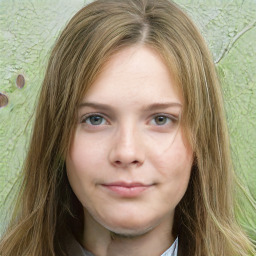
x=121 y=163
x=3 y=100
x=20 y=81
x=137 y=163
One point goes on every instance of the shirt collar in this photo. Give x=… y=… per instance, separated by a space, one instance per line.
x=173 y=250
x=74 y=248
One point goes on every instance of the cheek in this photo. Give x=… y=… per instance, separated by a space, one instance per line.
x=84 y=154
x=81 y=165
x=85 y=164
x=175 y=164
x=77 y=163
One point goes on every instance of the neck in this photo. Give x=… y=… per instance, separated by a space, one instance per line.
x=102 y=242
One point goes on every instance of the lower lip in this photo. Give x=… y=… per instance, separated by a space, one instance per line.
x=127 y=191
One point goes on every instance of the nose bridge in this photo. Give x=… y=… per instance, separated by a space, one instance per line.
x=127 y=135
x=127 y=146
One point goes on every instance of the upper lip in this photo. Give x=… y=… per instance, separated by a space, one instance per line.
x=127 y=184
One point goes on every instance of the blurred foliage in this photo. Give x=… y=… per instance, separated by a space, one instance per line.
x=28 y=29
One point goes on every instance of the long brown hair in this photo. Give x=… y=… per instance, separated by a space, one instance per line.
x=47 y=207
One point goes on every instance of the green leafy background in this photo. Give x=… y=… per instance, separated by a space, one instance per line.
x=28 y=29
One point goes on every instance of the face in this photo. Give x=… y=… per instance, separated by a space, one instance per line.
x=129 y=163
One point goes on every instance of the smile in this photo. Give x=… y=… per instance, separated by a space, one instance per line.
x=128 y=190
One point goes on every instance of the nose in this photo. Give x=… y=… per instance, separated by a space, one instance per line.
x=127 y=149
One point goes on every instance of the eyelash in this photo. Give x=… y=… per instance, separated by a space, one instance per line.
x=171 y=118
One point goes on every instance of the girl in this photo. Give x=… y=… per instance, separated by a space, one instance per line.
x=129 y=154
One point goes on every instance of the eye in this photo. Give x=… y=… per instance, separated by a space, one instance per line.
x=94 y=120
x=161 y=120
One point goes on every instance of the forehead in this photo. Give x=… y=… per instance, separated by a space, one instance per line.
x=135 y=73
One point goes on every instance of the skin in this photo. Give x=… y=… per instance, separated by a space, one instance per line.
x=133 y=138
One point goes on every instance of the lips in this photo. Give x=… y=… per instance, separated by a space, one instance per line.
x=125 y=189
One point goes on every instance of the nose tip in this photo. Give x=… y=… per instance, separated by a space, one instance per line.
x=127 y=151
x=124 y=157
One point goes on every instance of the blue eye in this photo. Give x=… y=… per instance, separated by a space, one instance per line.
x=94 y=120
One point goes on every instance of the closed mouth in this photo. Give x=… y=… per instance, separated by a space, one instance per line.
x=127 y=189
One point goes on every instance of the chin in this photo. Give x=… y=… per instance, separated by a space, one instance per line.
x=130 y=229
x=129 y=233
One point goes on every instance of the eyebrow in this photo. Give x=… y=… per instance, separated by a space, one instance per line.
x=165 y=105
x=150 y=107
x=95 y=105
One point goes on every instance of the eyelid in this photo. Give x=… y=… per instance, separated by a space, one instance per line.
x=171 y=116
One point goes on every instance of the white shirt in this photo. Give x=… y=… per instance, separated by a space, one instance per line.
x=173 y=250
